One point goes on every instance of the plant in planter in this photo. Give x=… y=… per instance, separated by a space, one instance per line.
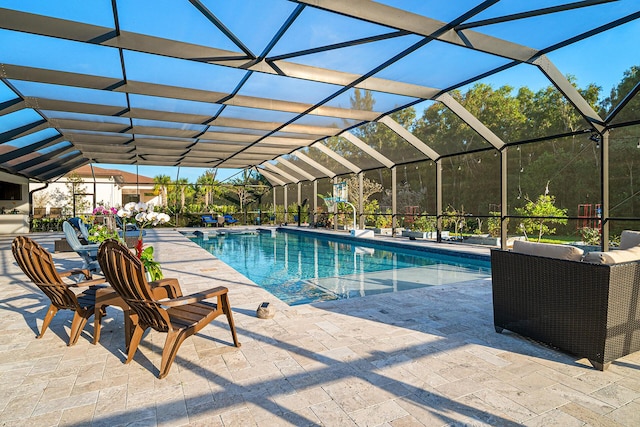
x=424 y=222
x=151 y=266
x=100 y=232
x=144 y=215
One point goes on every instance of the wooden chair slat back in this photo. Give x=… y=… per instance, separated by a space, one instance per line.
x=125 y=272
x=36 y=262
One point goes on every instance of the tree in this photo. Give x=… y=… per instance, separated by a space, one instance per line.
x=183 y=188
x=441 y=129
x=208 y=188
x=41 y=198
x=625 y=166
x=369 y=188
x=259 y=186
x=542 y=213
x=240 y=188
x=161 y=184
x=631 y=111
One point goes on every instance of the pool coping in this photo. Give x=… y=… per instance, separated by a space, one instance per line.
x=454 y=249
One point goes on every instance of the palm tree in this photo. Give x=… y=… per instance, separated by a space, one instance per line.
x=161 y=182
x=183 y=185
x=207 y=182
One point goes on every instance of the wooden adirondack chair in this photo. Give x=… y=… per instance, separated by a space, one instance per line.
x=37 y=263
x=178 y=317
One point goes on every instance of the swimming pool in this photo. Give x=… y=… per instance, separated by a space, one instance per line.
x=299 y=268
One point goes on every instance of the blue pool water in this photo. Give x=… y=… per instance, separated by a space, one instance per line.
x=299 y=268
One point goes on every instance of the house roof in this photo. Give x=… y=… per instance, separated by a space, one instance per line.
x=122 y=177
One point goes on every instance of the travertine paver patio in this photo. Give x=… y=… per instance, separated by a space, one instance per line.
x=423 y=357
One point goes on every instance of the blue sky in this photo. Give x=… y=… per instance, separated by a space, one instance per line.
x=191 y=174
x=601 y=59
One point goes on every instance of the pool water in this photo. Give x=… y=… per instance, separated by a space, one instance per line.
x=299 y=268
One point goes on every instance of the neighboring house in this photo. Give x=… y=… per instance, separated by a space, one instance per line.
x=14 y=204
x=106 y=187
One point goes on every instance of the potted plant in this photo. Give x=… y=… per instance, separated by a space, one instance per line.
x=144 y=215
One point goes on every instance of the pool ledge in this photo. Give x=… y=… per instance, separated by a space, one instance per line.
x=445 y=248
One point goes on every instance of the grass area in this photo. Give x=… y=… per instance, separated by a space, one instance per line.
x=558 y=239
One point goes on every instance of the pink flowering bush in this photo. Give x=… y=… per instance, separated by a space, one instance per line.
x=102 y=210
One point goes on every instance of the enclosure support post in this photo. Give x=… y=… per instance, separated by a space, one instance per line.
x=286 y=205
x=394 y=210
x=299 y=203
x=604 y=188
x=274 y=204
x=504 y=211
x=335 y=209
x=314 y=209
x=361 y=200
x=438 y=200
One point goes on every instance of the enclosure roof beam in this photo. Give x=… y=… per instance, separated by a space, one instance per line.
x=280 y=172
x=471 y=120
x=367 y=149
x=54 y=165
x=43 y=158
x=64 y=168
x=291 y=165
x=19 y=152
x=93 y=34
x=21 y=131
x=313 y=163
x=342 y=78
x=66 y=78
x=337 y=157
x=612 y=115
x=271 y=177
x=11 y=105
x=570 y=92
x=403 y=20
x=409 y=137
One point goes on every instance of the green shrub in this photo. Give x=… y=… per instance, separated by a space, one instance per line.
x=590 y=236
x=493 y=224
x=425 y=222
x=542 y=208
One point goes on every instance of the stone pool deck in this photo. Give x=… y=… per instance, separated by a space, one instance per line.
x=427 y=357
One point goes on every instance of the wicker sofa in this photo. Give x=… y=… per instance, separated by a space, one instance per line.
x=586 y=309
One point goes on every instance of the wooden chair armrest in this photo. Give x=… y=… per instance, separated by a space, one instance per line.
x=198 y=296
x=87 y=273
x=166 y=288
x=86 y=283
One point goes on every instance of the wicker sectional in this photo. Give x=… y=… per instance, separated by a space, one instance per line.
x=589 y=310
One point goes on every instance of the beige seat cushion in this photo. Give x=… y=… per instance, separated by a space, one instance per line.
x=548 y=250
x=613 y=257
x=629 y=239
